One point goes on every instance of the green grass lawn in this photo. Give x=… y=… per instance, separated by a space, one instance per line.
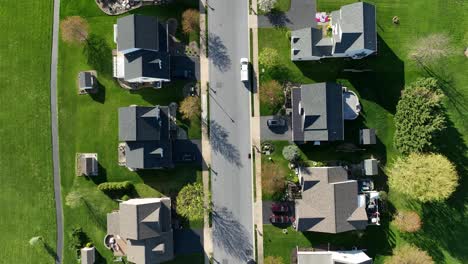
x=445 y=224
x=26 y=193
x=89 y=123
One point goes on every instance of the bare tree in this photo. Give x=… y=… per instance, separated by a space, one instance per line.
x=190 y=21
x=407 y=221
x=431 y=48
x=266 y=5
x=190 y=107
x=74 y=29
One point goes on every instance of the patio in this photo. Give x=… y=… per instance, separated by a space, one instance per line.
x=351 y=105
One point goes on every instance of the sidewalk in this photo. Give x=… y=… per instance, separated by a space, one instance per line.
x=206 y=150
x=256 y=140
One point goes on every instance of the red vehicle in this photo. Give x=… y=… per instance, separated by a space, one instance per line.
x=279 y=208
x=280 y=219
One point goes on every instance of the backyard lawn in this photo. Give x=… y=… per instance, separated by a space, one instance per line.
x=445 y=224
x=89 y=123
x=26 y=194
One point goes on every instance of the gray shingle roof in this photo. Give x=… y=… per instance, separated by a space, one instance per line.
x=149 y=154
x=86 y=80
x=329 y=202
x=318 y=112
x=367 y=136
x=138 y=32
x=147 y=64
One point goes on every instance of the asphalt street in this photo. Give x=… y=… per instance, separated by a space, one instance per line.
x=230 y=137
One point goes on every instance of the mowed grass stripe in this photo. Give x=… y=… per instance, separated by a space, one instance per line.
x=26 y=191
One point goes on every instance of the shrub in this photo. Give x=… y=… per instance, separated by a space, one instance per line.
x=383 y=196
x=74 y=29
x=271 y=94
x=419 y=117
x=115 y=186
x=266 y=5
x=424 y=177
x=407 y=221
x=190 y=107
x=273 y=260
x=291 y=153
x=269 y=58
x=273 y=177
x=190 y=202
x=78 y=239
x=408 y=254
x=89 y=245
x=190 y=20
x=125 y=197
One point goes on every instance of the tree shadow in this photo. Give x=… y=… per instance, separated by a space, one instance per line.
x=101 y=177
x=100 y=95
x=50 y=251
x=98 y=218
x=218 y=54
x=277 y=18
x=230 y=235
x=98 y=54
x=219 y=143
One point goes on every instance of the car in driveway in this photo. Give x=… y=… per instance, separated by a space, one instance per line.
x=244 y=63
x=280 y=219
x=276 y=122
x=279 y=208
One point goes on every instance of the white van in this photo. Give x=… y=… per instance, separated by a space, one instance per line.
x=244 y=62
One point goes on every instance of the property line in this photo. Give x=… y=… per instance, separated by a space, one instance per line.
x=54 y=128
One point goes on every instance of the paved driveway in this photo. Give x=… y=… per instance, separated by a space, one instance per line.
x=185 y=67
x=300 y=15
x=275 y=134
x=188 y=241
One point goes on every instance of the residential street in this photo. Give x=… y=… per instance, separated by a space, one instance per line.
x=230 y=137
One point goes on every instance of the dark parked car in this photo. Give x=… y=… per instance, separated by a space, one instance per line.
x=280 y=219
x=279 y=208
x=276 y=122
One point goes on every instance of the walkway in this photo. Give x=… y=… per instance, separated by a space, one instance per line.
x=300 y=15
x=54 y=125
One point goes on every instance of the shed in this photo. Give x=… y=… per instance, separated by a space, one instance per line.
x=367 y=136
x=88 y=255
x=87 y=164
x=370 y=167
x=86 y=81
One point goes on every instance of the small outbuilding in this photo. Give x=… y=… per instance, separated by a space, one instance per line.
x=87 y=164
x=88 y=255
x=370 y=167
x=367 y=136
x=87 y=82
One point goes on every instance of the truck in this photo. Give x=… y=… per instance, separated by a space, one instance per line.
x=244 y=63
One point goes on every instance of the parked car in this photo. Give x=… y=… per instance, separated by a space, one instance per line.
x=244 y=62
x=279 y=208
x=280 y=219
x=276 y=122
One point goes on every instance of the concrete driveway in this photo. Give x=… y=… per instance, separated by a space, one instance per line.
x=283 y=133
x=300 y=15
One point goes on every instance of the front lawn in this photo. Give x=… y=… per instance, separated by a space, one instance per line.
x=378 y=88
x=89 y=123
x=26 y=192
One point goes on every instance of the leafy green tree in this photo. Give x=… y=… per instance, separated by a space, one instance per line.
x=190 y=202
x=419 y=117
x=269 y=58
x=408 y=254
x=291 y=153
x=424 y=177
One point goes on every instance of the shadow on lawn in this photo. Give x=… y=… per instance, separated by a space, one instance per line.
x=98 y=54
x=100 y=95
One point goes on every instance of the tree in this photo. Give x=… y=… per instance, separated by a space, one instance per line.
x=419 y=117
x=73 y=199
x=408 y=254
x=291 y=153
x=190 y=107
x=424 y=177
x=266 y=5
x=190 y=21
x=190 y=202
x=268 y=58
x=74 y=29
x=78 y=239
x=431 y=48
x=36 y=240
x=273 y=260
x=407 y=221
x=271 y=94
x=273 y=178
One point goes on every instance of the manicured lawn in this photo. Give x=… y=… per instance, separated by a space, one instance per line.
x=90 y=124
x=445 y=224
x=26 y=192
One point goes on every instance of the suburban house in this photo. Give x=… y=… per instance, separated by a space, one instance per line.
x=367 y=136
x=146 y=139
x=317 y=113
x=348 y=32
x=141 y=230
x=142 y=54
x=310 y=256
x=330 y=202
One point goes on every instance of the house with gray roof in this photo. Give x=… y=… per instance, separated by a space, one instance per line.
x=310 y=256
x=350 y=32
x=141 y=230
x=145 y=131
x=330 y=202
x=317 y=113
x=142 y=54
